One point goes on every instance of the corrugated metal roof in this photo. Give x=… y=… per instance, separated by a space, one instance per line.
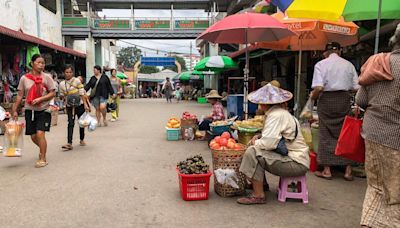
x=32 y=39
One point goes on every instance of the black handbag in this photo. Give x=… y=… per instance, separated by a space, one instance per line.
x=73 y=100
x=111 y=106
x=281 y=147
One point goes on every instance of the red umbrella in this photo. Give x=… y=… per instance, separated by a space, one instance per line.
x=246 y=28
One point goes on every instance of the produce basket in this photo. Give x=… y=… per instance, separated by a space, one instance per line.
x=173 y=134
x=229 y=159
x=202 y=100
x=194 y=186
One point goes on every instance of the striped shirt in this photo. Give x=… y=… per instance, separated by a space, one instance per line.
x=72 y=86
x=382 y=103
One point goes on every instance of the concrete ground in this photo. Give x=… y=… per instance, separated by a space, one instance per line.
x=126 y=177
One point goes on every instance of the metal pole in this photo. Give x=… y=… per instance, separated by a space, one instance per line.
x=133 y=17
x=297 y=105
x=378 y=27
x=191 y=58
x=38 y=18
x=72 y=9
x=62 y=8
x=246 y=80
x=172 y=17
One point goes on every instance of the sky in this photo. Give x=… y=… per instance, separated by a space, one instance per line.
x=182 y=46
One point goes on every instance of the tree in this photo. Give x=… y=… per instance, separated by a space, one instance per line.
x=128 y=56
x=148 y=69
x=180 y=61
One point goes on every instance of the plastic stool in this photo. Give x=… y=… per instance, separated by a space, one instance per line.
x=302 y=191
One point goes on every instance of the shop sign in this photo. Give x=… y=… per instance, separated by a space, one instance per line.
x=111 y=24
x=152 y=24
x=74 y=22
x=191 y=24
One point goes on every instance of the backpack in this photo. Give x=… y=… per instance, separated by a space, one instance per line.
x=36 y=90
x=73 y=100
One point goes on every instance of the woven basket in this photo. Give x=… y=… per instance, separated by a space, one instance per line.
x=229 y=159
x=245 y=137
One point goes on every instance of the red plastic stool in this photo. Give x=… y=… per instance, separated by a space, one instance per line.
x=301 y=187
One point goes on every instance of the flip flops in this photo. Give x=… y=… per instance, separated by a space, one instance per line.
x=322 y=175
x=250 y=200
x=67 y=147
x=41 y=164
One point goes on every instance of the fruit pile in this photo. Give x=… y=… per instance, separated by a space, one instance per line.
x=256 y=123
x=193 y=165
x=188 y=116
x=220 y=123
x=173 y=123
x=225 y=142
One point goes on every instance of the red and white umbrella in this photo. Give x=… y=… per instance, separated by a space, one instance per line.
x=246 y=29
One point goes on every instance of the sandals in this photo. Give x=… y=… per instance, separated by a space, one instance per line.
x=322 y=175
x=250 y=200
x=41 y=164
x=348 y=178
x=67 y=147
x=82 y=143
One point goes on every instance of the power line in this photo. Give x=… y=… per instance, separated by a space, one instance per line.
x=154 y=49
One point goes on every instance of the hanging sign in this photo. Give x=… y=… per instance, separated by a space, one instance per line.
x=191 y=24
x=152 y=24
x=111 y=24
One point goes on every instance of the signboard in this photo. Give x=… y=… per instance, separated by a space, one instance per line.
x=158 y=61
x=74 y=22
x=191 y=24
x=152 y=24
x=334 y=28
x=111 y=24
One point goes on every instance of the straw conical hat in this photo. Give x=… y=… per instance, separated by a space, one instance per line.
x=213 y=94
x=270 y=94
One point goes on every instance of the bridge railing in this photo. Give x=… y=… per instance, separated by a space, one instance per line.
x=136 y=23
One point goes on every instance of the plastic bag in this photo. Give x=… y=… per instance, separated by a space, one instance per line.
x=13 y=139
x=306 y=131
x=227 y=176
x=306 y=113
x=86 y=120
x=2 y=113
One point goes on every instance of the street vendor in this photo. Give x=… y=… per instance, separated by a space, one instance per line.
x=263 y=154
x=217 y=110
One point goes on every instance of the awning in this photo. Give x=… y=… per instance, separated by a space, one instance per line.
x=28 y=38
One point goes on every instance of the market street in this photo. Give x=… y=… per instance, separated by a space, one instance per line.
x=126 y=177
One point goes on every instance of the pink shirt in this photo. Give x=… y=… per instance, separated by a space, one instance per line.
x=218 y=112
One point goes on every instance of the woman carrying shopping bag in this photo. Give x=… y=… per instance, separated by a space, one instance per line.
x=38 y=89
x=73 y=94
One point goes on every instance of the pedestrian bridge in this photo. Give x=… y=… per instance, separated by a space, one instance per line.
x=134 y=28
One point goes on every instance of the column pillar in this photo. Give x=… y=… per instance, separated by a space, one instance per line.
x=90 y=57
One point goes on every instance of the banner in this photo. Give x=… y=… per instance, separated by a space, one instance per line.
x=191 y=24
x=111 y=24
x=74 y=22
x=152 y=24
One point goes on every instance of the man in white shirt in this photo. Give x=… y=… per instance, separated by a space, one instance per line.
x=334 y=80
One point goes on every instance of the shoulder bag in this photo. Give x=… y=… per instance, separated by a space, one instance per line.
x=93 y=90
x=281 y=147
x=73 y=100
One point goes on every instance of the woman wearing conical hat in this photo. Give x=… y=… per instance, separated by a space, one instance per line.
x=217 y=110
x=264 y=154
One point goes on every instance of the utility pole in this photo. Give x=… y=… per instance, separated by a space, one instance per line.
x=190 y=56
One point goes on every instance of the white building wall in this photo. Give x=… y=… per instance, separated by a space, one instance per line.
x=21 y=15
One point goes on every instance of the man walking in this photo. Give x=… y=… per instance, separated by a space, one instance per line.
x=167 y=89
x=334 y=80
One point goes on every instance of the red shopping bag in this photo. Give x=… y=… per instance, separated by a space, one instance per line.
x=350 y=144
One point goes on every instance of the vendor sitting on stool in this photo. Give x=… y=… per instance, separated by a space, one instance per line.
x=262 y=155
x=217 y=111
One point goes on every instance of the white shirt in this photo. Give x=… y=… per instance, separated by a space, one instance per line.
x=335 y=74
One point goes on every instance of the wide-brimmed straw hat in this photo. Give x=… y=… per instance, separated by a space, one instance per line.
x=270 y=94
x=213 y=94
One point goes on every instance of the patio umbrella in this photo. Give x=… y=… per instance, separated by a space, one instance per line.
x=215 y=63
x=351 y=10
x=246 y=29
x=313 y=35
x=121 y=75
x=188 y=75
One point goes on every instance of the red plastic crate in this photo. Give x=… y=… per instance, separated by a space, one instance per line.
x=194 y=186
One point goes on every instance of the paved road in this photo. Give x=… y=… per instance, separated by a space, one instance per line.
x=125 y=177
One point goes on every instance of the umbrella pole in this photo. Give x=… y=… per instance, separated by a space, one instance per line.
x=378 y=27
x=246 y=82
x=298 y=83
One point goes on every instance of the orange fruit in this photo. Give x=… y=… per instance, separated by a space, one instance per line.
x=226 y=135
